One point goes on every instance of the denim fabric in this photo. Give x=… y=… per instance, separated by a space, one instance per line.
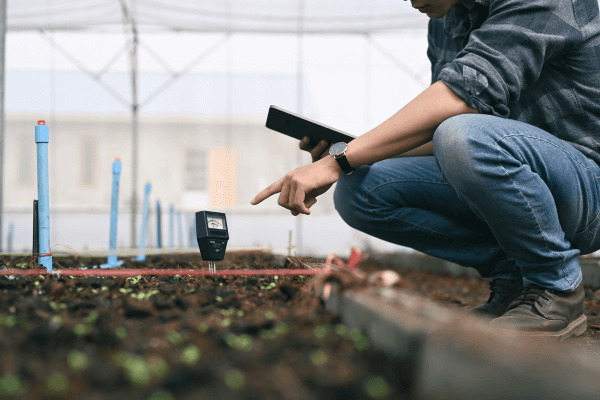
x=534 y=61
x=504 y=197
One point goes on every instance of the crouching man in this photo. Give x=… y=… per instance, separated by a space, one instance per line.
x=499 y=168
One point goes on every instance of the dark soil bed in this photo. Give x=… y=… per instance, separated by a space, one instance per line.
x=201 y=337
x=181 y=337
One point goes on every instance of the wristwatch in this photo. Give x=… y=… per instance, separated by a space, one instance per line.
x=338 y=151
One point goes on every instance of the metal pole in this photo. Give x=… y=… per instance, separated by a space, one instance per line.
x=134 y=134
x=300 y=100
x=180 y=229
x=36 y=230
x=2 y=53
x=42 y=137
x=171 y=226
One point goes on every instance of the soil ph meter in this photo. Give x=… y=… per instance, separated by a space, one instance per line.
x=211 y=231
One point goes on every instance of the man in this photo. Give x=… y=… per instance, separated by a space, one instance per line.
x=502 y=150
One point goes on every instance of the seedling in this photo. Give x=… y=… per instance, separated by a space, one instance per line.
x=175 y=338
x=190 y=355
x=378 y=388
x=318 y=357
x=57 y=385
x=121 y=332
x=321 y=331
x=158 y=367
x=235 y=379
x=77 y=360
x=212 y=236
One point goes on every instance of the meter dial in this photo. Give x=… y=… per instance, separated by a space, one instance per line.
x=215 y=222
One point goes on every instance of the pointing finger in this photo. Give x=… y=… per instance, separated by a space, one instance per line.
x=268 y=192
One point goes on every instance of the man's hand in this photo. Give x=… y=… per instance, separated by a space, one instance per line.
x=299 y=188
x=321 y=150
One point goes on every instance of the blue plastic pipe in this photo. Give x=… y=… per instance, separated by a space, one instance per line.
x=180 y=229
x=158 y=226
x=171 y=227
x=112 y=261
x=42 y=137
x=142 y=255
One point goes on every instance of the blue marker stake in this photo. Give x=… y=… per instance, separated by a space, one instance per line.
x=158 y=226
x=42 y=137
x=180 y=229
x=112 y=261
x=171 y=227
x=142 y=255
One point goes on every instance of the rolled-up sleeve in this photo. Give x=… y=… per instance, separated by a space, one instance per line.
x=506 y=53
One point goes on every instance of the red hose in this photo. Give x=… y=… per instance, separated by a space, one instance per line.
x=168 y=272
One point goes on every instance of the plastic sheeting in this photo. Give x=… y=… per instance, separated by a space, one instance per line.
x=268 y=16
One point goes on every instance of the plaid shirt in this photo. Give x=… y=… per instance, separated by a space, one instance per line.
x=535 y=61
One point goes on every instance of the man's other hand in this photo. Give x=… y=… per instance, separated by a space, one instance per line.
x=318 y=152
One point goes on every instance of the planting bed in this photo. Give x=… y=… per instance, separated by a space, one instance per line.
x=181 y=337
x=185 y=337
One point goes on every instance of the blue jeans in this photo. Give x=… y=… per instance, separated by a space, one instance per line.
x=501 y=196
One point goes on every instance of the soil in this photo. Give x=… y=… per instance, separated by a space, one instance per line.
x=203 y=337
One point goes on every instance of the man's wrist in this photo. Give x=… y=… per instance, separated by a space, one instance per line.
x=330 y=160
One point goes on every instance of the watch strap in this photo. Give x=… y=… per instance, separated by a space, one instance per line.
x=344 y=164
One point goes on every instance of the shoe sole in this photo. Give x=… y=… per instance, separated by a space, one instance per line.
x=576 y=328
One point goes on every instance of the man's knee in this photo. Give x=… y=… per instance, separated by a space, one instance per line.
x=453 y=147
x=347 y=198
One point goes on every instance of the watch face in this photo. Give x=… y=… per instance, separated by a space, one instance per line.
x=338 y=148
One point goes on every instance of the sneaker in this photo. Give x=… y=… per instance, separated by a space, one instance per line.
x=545 y=313
x=503 y=292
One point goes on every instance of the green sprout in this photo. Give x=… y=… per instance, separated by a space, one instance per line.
x=136 y=371
x=190 y=290
x=22 y=264
x=94 y=291
x=221 y=284
x=77 y=360
x=57 y=385
x=79 y=289
x=240 y=314
x=318 y=357
x=57 y=320
x=71 y=276
x=91 y=318
x=276 y=277
x=36 y=283
x=125 y=291
x=378 y=388
x=227 y=313
x=175 y=338
x=134 y=279
x=218 y=298
x=268 y=334
x=360 y=340
x=160 y=395
x=11 y=385
x=242 y=342
x=158 y=367
x=270 y=286
x=235 y=379
x=341 y=330
x=270 y=315
x=203 y=327
x=8 y=320
x=281 y=328
x=81 y=330
x=121 y=332
x=104 y=288
x=321 y=331
x=226 y=322
x=190 y=355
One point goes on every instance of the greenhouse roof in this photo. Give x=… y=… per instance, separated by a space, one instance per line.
x=261 y=16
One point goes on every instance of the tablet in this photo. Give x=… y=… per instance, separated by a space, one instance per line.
x=297 y=127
